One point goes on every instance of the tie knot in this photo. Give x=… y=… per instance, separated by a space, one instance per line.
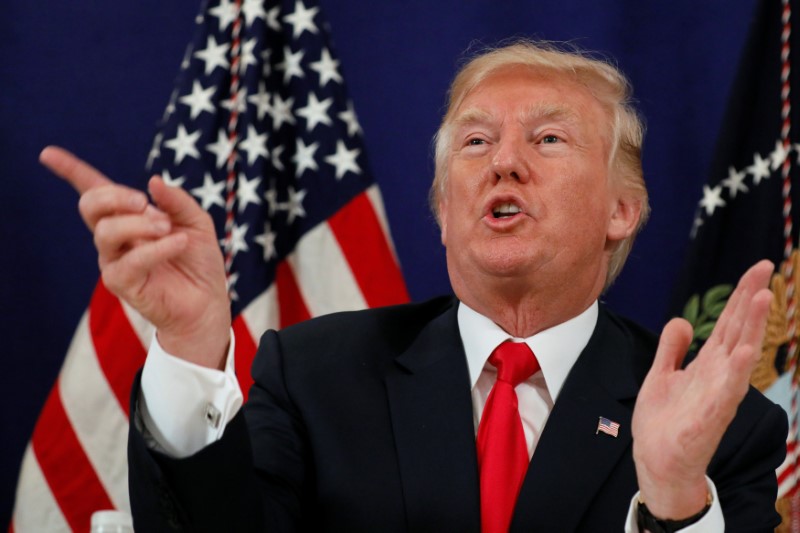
x=514 y=361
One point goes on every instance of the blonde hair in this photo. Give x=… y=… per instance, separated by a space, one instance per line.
x=608 y=85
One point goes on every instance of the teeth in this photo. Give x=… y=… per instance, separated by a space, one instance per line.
x=505 y=210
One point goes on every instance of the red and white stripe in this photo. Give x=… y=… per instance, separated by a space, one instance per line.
x=76 y=461
x=787 y=475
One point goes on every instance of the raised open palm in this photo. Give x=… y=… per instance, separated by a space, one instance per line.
x=682 y=413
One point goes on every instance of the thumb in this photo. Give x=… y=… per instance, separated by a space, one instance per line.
x=182 y=208
x=673 y=345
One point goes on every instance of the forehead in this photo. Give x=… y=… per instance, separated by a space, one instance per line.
x=529 y=93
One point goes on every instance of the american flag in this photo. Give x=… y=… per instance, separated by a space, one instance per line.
x=609 y=427
x=260 y=131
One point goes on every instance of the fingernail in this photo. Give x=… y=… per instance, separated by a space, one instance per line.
x=137 y=201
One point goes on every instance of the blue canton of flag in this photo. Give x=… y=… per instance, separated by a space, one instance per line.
x=260 y=131
x=609 y=427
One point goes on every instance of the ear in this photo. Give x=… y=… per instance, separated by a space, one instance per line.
x=625 y=213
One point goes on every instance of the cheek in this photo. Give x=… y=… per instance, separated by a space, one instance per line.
x=461 y=197
x=464 y=175
x=582 y=208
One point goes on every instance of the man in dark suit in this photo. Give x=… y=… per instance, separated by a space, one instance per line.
x=367 y=421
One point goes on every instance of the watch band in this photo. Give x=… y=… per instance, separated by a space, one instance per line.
x=649 y=523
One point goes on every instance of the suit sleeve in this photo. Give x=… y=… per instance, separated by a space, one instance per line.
x=743 y=469
x=224 y=487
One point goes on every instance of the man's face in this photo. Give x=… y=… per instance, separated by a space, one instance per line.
x=528 y=195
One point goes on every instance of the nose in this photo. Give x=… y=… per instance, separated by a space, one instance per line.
x=509 y=160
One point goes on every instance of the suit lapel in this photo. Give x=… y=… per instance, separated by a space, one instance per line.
x=572 y=461
x=431 y=409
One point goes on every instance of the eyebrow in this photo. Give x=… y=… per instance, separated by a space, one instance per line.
x=470 y=116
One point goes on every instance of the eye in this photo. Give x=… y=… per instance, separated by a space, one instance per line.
x=475 y=141
x=550 y=139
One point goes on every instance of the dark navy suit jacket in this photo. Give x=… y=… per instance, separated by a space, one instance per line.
x=363 y=422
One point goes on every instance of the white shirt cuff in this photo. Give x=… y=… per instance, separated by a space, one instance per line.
x=712 y=521
x=185 y=407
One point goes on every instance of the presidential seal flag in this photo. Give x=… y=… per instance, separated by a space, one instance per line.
x=749 y=211
x=259 y=129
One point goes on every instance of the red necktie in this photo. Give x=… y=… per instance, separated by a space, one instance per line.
x=502 y=452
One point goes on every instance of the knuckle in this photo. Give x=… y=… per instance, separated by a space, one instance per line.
x=111 y=279
x=87 y=207
x=94 y=203
x=136 y=261
x=102 y=233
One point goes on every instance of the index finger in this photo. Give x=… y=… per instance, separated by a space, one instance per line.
x=80 y=174
x=729 y=324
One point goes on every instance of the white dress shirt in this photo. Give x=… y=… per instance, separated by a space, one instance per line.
x=185 y=407
x=178 y=397
x=556 y=349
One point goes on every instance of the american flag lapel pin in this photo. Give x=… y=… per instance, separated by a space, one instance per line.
x=609 y=427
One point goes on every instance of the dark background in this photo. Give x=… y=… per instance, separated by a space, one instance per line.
x=95 y=76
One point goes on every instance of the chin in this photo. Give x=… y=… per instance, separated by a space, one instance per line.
x=495 y=260
x=508 y=265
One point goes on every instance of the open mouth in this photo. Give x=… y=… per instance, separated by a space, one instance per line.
x=505 y=210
